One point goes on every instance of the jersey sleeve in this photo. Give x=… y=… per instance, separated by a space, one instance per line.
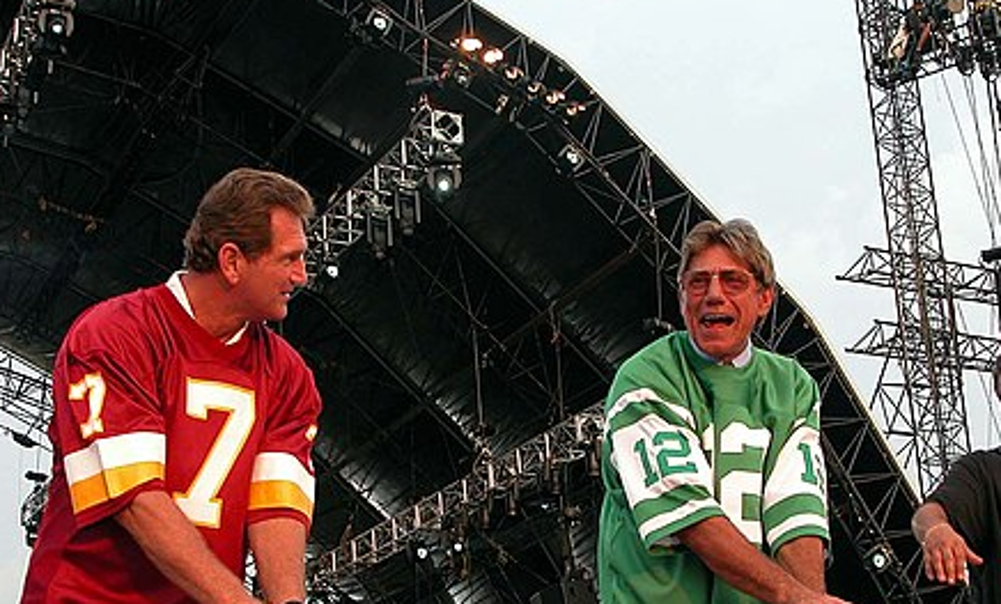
x=795 y=495
x=656 y=451
x=108 y=422
x=283 y=483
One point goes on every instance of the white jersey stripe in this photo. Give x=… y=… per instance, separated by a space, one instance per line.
x=284 y=467
x=114 y=452
x=659 y=521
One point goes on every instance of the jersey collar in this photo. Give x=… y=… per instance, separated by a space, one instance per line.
x=176 y=287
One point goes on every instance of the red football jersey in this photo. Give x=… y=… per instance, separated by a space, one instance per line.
x=145 y=398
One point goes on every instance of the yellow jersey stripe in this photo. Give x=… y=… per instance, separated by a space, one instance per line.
x=280 y=494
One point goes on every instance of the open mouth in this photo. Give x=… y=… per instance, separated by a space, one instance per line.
x=717 y=320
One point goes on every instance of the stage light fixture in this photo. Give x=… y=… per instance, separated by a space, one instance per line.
x=572 y=109
x=332 y=271
x=378 y=21
x=443 y=181
x=879 y=558
x=460 y=74
x=534 y=89
x=55 y=18
x=555 y=97
x=513 y=73
x=469 y=44
x=569 y=159
x=492 y=56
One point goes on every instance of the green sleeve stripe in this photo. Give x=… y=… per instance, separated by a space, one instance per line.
x=803 y=531
x=656 y=533
x=677 y=497
x=794 y=506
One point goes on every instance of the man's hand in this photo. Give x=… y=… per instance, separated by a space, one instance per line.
x=946 y=555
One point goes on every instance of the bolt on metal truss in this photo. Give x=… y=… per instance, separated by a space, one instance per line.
x=386 y=202
x=542 y=456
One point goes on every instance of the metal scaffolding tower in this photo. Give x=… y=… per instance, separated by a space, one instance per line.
x=924 y=414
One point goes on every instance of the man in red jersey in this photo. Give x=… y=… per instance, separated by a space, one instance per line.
x=183 y=425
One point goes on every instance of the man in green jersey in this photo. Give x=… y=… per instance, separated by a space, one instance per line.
x=714 y=477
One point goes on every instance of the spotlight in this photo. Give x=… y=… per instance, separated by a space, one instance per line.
x=534 y=89
x=573 y=109
x=569 y=159
x=378 y=21
x=55 y=18
x=422 y=552
x=332 y=271
x=554 y=97
x=492 y=56
x=879 y=558
x=469 y=44
x=444 y=180
x=513 y=73
x=460 y=74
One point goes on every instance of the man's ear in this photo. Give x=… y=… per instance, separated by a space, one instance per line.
x=231 y=261
x=765 y=299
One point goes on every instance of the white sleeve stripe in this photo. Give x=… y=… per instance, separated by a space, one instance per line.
x=113 y=452
x=646 y=394
x=795 y=522
x=680 y=513
x=278 y=466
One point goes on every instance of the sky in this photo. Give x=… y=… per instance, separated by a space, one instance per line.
x=761 y=109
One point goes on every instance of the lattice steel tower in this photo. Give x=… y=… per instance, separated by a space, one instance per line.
x=924 y=412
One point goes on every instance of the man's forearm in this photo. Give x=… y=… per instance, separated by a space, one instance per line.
x=734 y=559
x=803 y=558
x=178 y=550
x=279 y=547
x=927 y=517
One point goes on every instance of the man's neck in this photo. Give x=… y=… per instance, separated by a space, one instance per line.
x=210 y=305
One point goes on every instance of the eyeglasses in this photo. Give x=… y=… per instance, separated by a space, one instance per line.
x=733 y=281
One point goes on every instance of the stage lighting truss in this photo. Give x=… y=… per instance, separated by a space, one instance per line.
x=576 y=440
x=386 y=203
x=36 y=36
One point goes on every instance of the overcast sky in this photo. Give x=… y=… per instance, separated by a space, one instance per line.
x=760 y=107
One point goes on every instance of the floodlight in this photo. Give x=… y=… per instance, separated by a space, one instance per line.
x=443 y=181
x=879 y=558
x=555 y=96
x=460 y=74
x=569 y=159
x=378 y=21
x=469 y=44
x=492 y=56
x=513 y=73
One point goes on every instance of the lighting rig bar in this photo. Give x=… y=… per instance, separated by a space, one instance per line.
x=36 y=36
x=15 y=55
x=386 y=202
x=540 y=458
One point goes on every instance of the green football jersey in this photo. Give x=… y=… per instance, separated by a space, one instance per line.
x=687 y=439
